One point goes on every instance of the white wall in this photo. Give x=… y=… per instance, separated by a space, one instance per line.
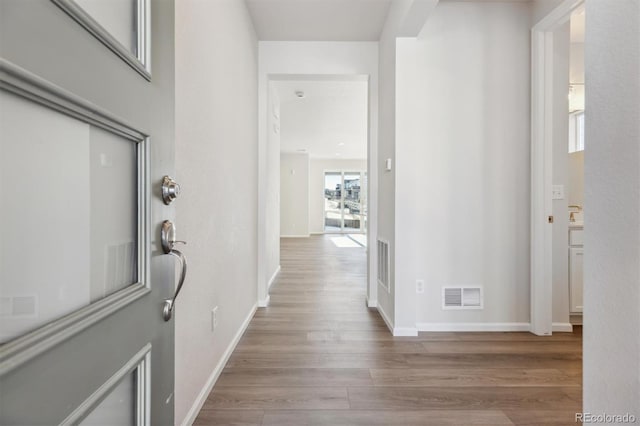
x=612 y=205
x=294 y=195
x=405 y=19
x=576 y=75
x=216 y=163
x=560 y=173
x=576 y=179
x=316 y=58
x=272 y=213
x=386 y=149
x=463 y=163
x=316 y=186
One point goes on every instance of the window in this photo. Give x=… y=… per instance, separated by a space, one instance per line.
x=576 y=131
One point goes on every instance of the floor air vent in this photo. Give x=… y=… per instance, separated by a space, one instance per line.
x=383 y=263
x=461 y=298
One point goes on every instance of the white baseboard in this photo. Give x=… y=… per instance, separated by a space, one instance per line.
x=372 y=303
x=316 y=233
x=295 y=236
x=562 y=327
x=473 y=326
x=264 y=303
x=386 y=319
x=273 y=277
x=211 y=381
x=396 y=331
x=405 y=331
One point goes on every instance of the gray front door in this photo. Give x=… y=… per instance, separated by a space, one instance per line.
x=86 y=136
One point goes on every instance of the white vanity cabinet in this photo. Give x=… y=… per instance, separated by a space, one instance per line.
x=576 y=261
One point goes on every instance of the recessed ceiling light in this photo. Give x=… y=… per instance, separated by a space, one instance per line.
x=337 y=153
x=299 y=93
x=302 y=150
x=340 y=143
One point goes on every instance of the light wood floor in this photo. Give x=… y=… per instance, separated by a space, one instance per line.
x=318 y=356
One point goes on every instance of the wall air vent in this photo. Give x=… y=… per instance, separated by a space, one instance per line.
x=462 y=298
x=383 y=264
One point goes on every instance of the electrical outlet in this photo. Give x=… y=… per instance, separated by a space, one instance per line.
x=419 y=286
x=214 y=318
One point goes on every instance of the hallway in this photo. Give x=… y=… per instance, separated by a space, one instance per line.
x=318 y=356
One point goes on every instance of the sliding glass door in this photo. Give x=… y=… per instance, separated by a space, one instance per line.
x=345 y=207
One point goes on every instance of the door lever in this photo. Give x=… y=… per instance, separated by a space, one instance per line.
x=167 y=308
x=167 y=239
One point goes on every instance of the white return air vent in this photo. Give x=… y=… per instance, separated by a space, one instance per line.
x=383 y=264
x=462 y=298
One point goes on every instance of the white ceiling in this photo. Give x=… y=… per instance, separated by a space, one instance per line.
x=318 y=20
x=331 y=113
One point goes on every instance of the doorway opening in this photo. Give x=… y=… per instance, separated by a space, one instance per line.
x=557 y=173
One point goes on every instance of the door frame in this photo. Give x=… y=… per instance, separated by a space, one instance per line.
x=264 y=100
x=542 y=95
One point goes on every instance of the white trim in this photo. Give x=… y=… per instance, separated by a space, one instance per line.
x=215 y=374
x=562 y=327
x=372 y=303
x=473 y=326
x=405 y=332
x=542 y=95
x=265 y=302
x=385 y=318
x=295 y=236
x=273 y=277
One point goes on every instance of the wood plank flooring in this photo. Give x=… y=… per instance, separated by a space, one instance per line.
x=318 y=356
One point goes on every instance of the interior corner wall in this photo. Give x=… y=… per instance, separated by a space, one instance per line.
x=294 y=195
x=387 y=150
x=560 y=173
x=463 y=164
x=216 y=165
x=612 y=209
x=317 y=168
x=272 y=213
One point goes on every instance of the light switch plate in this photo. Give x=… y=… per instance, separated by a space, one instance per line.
x=558 y=192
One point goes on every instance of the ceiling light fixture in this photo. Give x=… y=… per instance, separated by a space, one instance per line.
x=337 y=153
x=340 y=143
x=299 y=93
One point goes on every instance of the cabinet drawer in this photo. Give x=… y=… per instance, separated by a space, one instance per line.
x=576 y=237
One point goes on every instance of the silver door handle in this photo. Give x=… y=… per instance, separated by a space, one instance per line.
x=168 y=240
x=167 y=309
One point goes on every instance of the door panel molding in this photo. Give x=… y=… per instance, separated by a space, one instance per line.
x=23 y=83
x=29 y=86
x=141 y=62
x=141 y=362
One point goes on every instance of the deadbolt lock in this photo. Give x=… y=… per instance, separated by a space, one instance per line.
x=170 y=189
